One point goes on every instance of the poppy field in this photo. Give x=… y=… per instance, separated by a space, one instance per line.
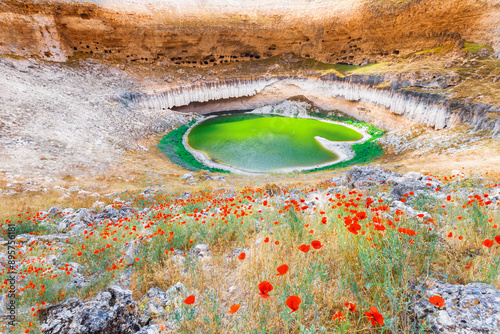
x=316 y=259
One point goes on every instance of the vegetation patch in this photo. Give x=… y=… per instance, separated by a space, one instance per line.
x=476 y=47
x=171 y=144
x=367 y=151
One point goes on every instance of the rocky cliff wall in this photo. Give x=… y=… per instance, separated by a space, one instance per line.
x=204 y=33
x=426 y=108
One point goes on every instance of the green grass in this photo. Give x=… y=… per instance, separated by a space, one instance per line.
x=171 y=145
x=369 y=69
x=474 y=48
x=367 y=151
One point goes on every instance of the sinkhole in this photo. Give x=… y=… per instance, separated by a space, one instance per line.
x=256 y=143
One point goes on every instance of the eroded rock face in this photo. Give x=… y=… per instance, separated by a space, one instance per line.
x=370 y=176
x=112 y=311
x=469 y=309
x=350 y=32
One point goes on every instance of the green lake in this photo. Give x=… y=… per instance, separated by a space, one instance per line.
x=267 y=143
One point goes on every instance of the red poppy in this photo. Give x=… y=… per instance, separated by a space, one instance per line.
x=354 y=228
x=467 y=267
x=350 y=306
x=450 y=234
x=488 y=243
x=293 y=302
x=282 y=270
x=379 y=227
x=323 y=220
x=497 y=239
x=338 y=316
x=241 y=256
x=437 y=300
x=361 y=215
x=264 y=287
x=316 y=244
x=189 y=300
x=234 y=308
x=347 y=220
x=266 y=239
x=304 y=248
x=374 y=316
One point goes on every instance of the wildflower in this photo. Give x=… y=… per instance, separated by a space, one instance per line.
x=282 y=270
x=347 y=220
x=450 y=234
x=437 y=300
x=354 y=228
x=304 y=248
x=374 y=316
x=497 y=239
x=266 y=239
x=488 y=243
x=361 y=215
x=293 y=303
x=316 y=244
x=241 y=256
x=264 y=287
x=467 y=267
x=234 y=308
x=350 y=306
x=189 y=300
x=338 y=316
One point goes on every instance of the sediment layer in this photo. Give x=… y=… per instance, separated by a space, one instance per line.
x=209 y=33
x=422 y=107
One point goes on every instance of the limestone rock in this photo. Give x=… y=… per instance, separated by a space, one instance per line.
x=368 y=176
x=272 y=190
x=111 y=311
x=469 y=309
x=176 y=290
x=201 y=250
x=154 y=301
x=187 y=176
